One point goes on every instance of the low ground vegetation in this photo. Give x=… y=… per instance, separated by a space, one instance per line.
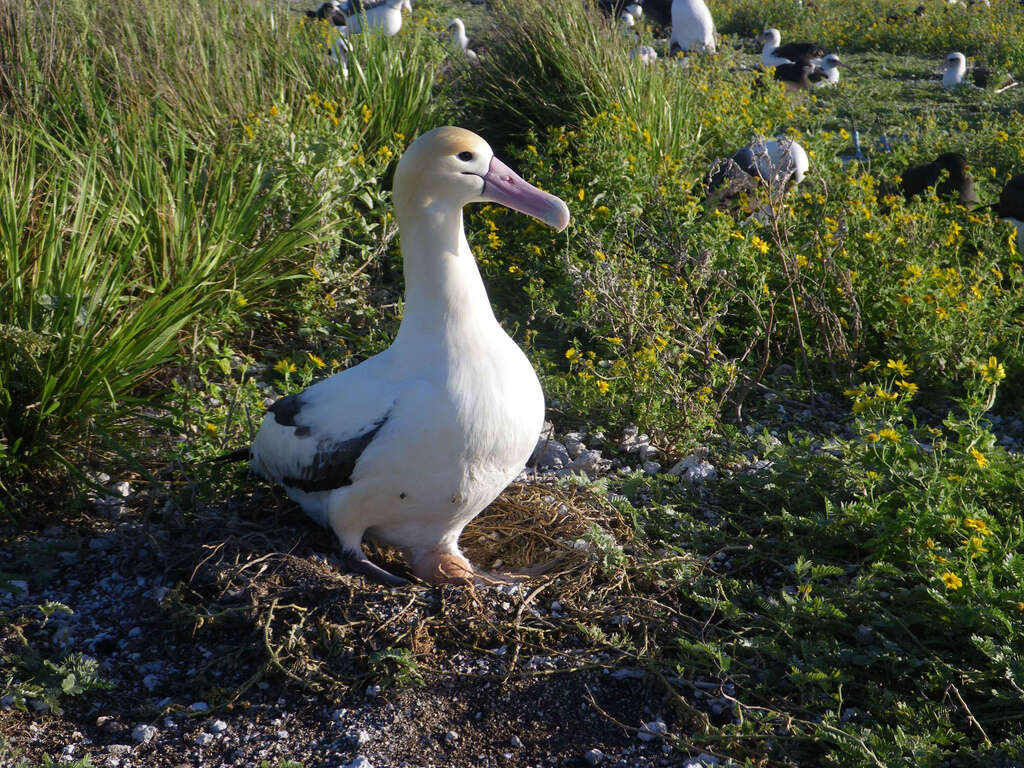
x=851 y=585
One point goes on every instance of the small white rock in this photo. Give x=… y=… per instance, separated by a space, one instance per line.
x=359 y=738
x=694 y=469
x=118 y=749
x=451 y=737
x=372 y=691
x=143 y=733
x=652 y=730
x=703 y=760
x=359 y=762
x=218 y=726
x=516 y=742
x=593 y=757
x=199 y=706
x=203 y=739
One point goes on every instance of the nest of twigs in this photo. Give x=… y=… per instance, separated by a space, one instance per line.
x=331 y=631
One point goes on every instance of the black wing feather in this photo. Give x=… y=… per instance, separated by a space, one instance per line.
x=334 y=461
x=798 y=52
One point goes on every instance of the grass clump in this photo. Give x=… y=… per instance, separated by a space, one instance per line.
x=138 y=210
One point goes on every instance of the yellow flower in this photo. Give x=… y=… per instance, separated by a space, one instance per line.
x=760 y=244
x=889 y=434
x=951 y=580
x=599 y=255
x=571 y=352
x=211 y=429
x=285 y=367
x=907 y=386
x=581 y=194
x=367 y=113
x=899 y=366
x=241 y=301
x=977 y=546
x=871 y=437
x=273 y=110
x=979 y=458
x=602 y=386
x=993 y=371
x=316 y=360
x=977 y=525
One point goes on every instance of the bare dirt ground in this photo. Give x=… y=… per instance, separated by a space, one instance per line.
x=230 y=637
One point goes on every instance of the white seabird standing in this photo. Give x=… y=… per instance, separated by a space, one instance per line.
x=411 y=444
x=693 y=29
x=458 y=30
x=956 y=68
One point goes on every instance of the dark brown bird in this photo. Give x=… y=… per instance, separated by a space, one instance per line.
x=1011 y=206
x=918 y=178
x=796 y=76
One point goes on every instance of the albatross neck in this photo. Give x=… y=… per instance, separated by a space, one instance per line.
x=443 y=288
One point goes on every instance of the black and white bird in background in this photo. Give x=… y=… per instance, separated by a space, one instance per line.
x=774 y=54
x=771 y=164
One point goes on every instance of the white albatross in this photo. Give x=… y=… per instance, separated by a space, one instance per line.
x=693 y=29
x=458 y=30
x=384 y=17
x=828 y=74
x=956 y=68
x=410 y=445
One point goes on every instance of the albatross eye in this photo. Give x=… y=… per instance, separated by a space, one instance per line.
x=465 y=156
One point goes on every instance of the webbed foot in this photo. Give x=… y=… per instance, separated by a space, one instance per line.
x=358 y=562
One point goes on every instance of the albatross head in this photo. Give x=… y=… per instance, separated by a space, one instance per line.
x=452 y=167
x=771 y=37
x=956 y=61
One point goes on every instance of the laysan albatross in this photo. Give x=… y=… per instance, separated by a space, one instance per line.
x=411 y=444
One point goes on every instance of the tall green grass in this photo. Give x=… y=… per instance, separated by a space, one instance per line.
x=169 y=168
x=101 y=279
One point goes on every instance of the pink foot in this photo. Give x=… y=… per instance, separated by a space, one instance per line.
x=437 y=568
